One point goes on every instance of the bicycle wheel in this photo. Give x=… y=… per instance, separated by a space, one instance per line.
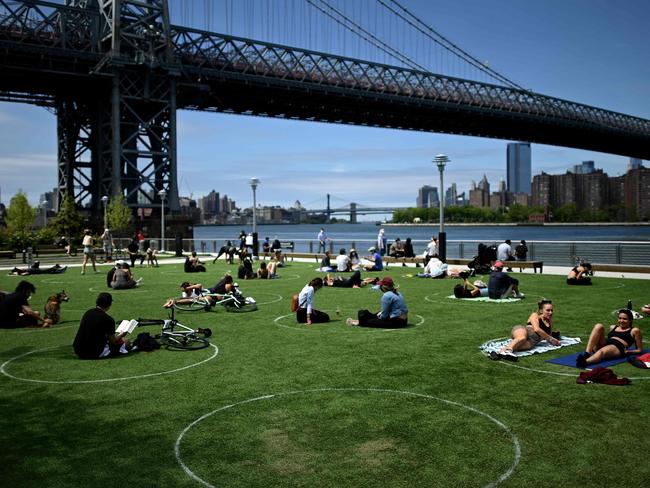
x=195 y=305
x=184 y=341
x=243 y=308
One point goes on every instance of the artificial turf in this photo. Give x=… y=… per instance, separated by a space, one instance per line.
x=278 y=403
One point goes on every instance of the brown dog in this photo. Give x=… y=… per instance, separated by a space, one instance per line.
x=53 y=306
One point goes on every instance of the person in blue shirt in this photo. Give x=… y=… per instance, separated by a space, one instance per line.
x=393 y=314
x=378 y=264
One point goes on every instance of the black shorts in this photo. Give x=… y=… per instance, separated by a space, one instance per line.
x=622 y=348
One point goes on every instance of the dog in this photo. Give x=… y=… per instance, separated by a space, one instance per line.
x=53 y=306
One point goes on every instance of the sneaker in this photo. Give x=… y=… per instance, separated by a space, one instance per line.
x=634 y=361
x=509 y=356
x=350 y=321
x=138 y=281
x=494 y=356
x=520 y=295
x=581 y=360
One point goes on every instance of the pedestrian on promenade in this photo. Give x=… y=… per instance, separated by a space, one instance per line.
x=89 y=251
x=382 y=242
x=322 y=240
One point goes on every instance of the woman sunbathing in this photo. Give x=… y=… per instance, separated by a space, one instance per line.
x=615 y=345
x=579 y=275
x=525 y=337
x=469 y=290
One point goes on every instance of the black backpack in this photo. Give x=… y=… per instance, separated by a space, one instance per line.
x=144 y=342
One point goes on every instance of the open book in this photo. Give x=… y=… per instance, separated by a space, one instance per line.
x=126 y=326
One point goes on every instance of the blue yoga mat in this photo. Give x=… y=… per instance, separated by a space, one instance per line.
x=570 y=360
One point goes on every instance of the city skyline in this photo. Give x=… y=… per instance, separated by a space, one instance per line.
x=305 y=160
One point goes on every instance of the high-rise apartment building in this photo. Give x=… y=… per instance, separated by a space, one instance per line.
x=519 y=167
x=635 y=163
x=584 y=168
x=428 y=197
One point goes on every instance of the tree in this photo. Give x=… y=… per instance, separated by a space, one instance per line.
x=68 y=222
x=20 y=218
x=119 y=215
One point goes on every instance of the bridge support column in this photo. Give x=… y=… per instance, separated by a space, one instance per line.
x=353 y=213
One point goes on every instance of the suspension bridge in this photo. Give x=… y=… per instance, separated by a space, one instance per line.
x=115 y=72
x=342 y=207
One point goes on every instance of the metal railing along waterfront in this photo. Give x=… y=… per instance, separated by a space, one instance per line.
x=553 y=253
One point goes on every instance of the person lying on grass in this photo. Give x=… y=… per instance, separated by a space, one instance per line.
x=191 y=291
x=646 y=309
x=524 y=337
x=96 y=337
x=469 y=290
x=353 y=281
x=393 y=314
x=615 y=345
x=36 y=269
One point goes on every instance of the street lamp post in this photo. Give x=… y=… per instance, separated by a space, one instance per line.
x=104 y=202
x=440 y=161
x=162 y=194
x=254 y=182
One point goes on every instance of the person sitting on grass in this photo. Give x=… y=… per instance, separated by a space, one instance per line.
x=393 y=314
x=193 y=264
x=96 y=337
x=306 y=313
x=245 y=270
x=353 y=281
x=266 y=271
x=355 y=262
x=15 y=311
x=524 y=337
x=501 y=285
x=469 y=290
x=326 y=263
x=378 y=264
x=615 y=345
x=123 y=278
x=343 y=263
x=579 y=275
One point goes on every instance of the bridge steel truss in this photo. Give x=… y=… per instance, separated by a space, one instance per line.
x=116 y=71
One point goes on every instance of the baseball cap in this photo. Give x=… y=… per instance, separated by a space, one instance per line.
x=372 y=248
x=387 y=281
x=498 y=264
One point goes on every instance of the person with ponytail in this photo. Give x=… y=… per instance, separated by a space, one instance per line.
x=306 y=313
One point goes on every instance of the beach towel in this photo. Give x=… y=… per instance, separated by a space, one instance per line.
x=570 y=360
x=543 y=346
x=488 y=299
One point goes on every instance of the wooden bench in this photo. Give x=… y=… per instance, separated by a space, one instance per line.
x=8 y=254
x=535 y=265
x=621 y=268
x=305 y=255
x=392 y=259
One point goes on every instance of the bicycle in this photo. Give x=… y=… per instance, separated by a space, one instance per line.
x=233 y=302
x=178 y=336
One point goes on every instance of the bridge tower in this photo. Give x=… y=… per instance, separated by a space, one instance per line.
x=353 y=213
x=329 y=209
x=118 y=136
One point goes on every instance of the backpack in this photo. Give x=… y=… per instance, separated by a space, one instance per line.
x=294 y=303
x=144 y=342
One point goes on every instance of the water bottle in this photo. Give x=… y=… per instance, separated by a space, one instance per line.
x=629 y=304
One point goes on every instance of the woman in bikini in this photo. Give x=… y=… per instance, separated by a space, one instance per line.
x=615 y=345
x=525 y=337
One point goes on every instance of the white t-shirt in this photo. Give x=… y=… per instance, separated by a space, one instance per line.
x=342 y=262
x=504 y=251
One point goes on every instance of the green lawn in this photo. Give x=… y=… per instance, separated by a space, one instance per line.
x=280 y=404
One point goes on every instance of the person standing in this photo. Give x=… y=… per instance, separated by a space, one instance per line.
x=107 y=245
x=382 y=242
x=322 y=240
x=431 y=250
x=393 y=314
x=89 y=251
x=96 y=337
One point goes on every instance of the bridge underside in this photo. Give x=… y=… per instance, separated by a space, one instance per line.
x=304 y=101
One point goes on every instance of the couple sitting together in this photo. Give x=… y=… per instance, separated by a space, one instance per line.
x=501 y=285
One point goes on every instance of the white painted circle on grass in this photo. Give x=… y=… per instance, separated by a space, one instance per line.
x=274 y=300
x=3 y=370
x=505 y=475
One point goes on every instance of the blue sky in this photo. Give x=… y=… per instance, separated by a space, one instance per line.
x=589 y=51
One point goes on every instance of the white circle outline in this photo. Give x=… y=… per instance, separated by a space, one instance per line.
x=309 y=329
x=67 y=382
x=279 y=298
x=513 y=437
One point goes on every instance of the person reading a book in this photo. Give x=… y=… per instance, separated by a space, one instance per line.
x=97 y=337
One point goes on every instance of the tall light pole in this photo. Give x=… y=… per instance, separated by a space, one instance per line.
x=162 y=194
x=105 y=202
x=254 y=182
x=440 y=161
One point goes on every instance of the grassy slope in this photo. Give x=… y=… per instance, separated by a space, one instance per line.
x=123 y=432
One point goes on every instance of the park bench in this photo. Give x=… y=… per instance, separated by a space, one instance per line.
x=535 y=265
x=392 y=259
x=621 y=268
x=8 y=254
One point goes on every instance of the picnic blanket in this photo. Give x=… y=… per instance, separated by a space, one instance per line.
x=543 y=346
x=488 y=299
x=570 y=360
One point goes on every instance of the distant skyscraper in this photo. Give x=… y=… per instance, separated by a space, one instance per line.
x=584 y=168
x=635 y=163
x=519 y=167
x=427 y=197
